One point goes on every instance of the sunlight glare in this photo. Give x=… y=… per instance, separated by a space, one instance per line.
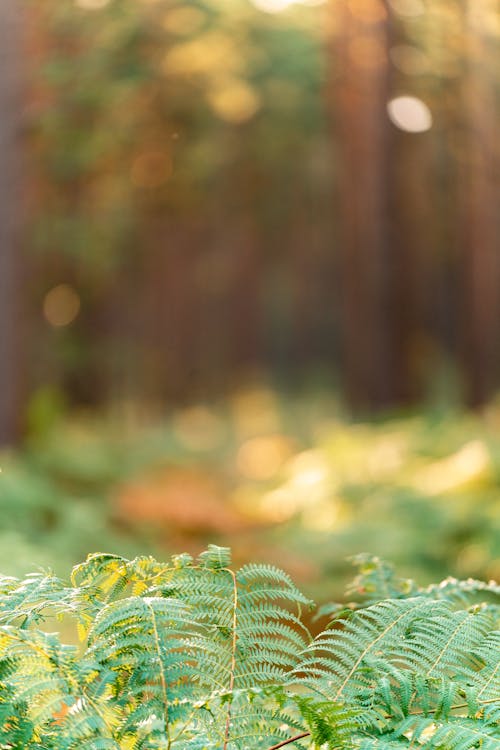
x=308 y=468
x=471 y=463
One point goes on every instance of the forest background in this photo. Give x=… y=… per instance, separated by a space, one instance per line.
x=250 y=282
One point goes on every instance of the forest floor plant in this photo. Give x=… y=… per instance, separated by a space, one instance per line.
x=195 y=655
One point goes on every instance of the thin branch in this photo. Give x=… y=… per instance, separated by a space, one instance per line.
x=292 y=739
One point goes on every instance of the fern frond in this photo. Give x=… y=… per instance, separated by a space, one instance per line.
x=331 y=725
x=193 y=655
x=143 y=643
x=38 y=679
x=33 y=599
x=466 y=593
x=376 y=580
x=456 y=733
x=335 y=664
x=215 y=558
x=487 y=678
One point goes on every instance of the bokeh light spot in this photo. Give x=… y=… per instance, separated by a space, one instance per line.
x=277 y=6
x=278 y=505
x=234 y=101
x=308 y=469
x=206 y=54
x=91 y=4
x=273 y=6
x=410 y=114
x=254 y=412
x=260 y=458
x=61 y=305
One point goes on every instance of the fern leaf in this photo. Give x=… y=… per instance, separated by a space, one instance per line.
x=193 y=655
x=334 y=664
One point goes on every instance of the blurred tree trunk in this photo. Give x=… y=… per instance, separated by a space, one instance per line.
x=386 y=232
x=480 y=171
x=361 y=89
x=412 y=261
x=244 y=301
x=414 y=255
x=10 y=334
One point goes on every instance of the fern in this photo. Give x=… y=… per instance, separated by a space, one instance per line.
x=194 y=655
x=376 y=580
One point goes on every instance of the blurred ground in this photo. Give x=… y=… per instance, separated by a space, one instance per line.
x=285 y=479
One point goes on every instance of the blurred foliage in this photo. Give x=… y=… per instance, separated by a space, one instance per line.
x=190 y=157
x=287 y=479
x=138 y=109
x=171 y=148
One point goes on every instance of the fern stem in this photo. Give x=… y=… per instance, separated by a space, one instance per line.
x=445 y=647
x=186 y=725
x=488 y=682
x=233 y=657
x=456 y=707
x=289 y=741
x=162 y=673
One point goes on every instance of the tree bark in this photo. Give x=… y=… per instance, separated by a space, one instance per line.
x=361 y=130
x=10 y=200
x=480 y=262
